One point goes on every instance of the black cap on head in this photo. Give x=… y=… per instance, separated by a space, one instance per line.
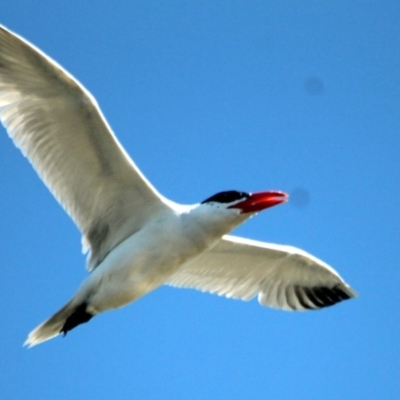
x=227 y=197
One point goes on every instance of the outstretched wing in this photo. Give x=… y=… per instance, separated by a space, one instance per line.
x=282 y=276
x=59 y=127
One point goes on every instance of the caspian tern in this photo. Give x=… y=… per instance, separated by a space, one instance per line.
x=137 y=239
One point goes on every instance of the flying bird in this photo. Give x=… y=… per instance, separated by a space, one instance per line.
x=136 y=239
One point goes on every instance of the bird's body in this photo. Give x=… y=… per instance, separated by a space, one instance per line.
x=136 y=238
x=139 y=264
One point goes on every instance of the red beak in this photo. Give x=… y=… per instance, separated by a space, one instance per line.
x=261 y=200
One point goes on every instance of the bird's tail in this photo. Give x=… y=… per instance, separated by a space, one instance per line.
x=62 y=321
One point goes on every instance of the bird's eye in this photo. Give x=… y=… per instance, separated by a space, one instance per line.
x=227 y=197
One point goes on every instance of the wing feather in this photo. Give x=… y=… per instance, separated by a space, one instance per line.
x=59 y=127
x=281 y=276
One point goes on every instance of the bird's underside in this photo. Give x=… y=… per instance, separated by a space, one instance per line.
x=129 y=229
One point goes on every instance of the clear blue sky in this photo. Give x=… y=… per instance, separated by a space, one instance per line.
x=302 y=96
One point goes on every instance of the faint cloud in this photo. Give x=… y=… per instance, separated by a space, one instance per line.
x=300 y=197
x=314 y=86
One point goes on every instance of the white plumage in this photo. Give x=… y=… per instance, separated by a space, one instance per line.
x=139 y=240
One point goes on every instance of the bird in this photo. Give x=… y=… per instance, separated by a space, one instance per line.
x=136 y=239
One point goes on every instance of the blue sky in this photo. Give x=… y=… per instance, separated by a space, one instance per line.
x=205 y=96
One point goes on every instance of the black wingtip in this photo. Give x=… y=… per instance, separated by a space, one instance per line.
x=79 y=316
x=322 y=296
x=317 y=297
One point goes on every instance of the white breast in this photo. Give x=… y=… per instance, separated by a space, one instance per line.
x=146 y=260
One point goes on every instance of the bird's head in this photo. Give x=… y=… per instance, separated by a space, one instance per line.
x=224 y=211
x=246 y=203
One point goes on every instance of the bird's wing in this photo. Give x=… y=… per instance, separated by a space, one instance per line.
x=282 y=276
x=59 y=127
